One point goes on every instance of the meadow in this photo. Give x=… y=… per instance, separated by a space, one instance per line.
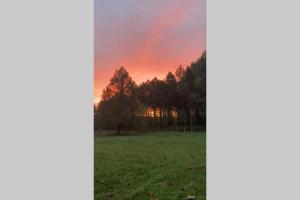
x=153 y=166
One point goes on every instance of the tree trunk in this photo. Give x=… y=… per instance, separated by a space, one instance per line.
x=160 y=119
x=119 y=129
x=155 y=120
x=188 y=116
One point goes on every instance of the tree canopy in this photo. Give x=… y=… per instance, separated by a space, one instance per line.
x=177 y=102
x=118 y=105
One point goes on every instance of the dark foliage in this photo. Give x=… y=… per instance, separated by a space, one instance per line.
x=176 y=103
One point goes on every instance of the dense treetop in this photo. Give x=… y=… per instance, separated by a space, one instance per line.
x=176 y=102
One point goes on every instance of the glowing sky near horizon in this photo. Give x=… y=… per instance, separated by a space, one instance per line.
x=148 y=37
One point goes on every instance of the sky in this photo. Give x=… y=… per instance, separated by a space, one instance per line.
x=148 y=37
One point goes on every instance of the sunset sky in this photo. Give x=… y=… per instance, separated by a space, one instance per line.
x=148 y=37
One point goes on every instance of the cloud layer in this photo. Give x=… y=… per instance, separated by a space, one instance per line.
x=149 y=38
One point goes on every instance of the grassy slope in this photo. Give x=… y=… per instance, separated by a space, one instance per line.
x=161 y=166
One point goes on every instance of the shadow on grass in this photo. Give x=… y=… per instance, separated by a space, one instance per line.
x=101 y=133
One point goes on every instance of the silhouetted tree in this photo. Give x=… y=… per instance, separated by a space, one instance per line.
x=171 y=96
x=179 y=72
x=117 y=108
x=177 y=102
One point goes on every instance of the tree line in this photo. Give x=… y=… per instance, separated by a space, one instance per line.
x=177 y=103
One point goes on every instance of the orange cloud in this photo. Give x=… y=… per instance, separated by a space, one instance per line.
x=148 y=42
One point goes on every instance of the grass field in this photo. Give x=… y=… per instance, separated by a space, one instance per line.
x=161 y=166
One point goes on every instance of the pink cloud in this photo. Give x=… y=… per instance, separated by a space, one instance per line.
x=149 y=42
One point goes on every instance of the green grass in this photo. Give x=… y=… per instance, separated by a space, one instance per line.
x=161 y=166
